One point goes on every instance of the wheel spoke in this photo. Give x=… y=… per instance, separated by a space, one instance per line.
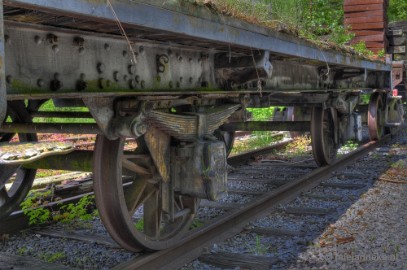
x=3 y=196
x=133 y=167
x=6 y=172
x=152 y=216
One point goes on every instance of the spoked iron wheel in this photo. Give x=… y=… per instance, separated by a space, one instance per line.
x=131 y=197
x=15 y=181
x=323 y=135
x=375 y=117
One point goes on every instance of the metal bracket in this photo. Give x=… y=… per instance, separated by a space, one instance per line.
x=3 y=93
x=396 y=73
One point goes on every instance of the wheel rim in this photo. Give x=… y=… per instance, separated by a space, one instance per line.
x=375 y=119
x=21 y=179
x=322 y=136
x=135 y=216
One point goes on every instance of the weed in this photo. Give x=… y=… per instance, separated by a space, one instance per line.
x=399 y=164
x=299 y=146
x=31 y=207
x=83 y=210
x=362 y=49
x=140 y=225
x=52 y=257
x=261 y=139
x=259 y=248
x=22 y=251
x=196 y=224
x=77 y=213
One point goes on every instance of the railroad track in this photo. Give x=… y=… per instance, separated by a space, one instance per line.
x=234 y=221
x=296 y=179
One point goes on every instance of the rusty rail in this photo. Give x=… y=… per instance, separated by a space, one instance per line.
x=227 y=226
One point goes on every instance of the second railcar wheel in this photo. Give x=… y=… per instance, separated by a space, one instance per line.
x=130 y=199
x=15 y=181
x=375 y=117
x=323 y=135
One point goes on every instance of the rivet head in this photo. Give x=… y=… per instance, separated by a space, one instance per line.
x=101 y=67
x=116 y=76
x=132 y=84
x=9 y=79
x=37 y=40
x=52 y=39
x=103 y=84
x=40 y=83
x=55 y=48
x=132 y=69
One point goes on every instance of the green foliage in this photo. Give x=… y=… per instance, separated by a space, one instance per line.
x=196 y=224
x=140 y=225
x=397 y=10
x=50 y=107
x=259 y=248
x=31 y=207
x=52 y=256
x=314 y=19
x=261 y=114
x=261 y=139
x=81 y=211
x=299 y=146
x=349 y=146
x=381 y=53
x=361 y=48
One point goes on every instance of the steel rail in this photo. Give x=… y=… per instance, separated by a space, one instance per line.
x=191 y=247
x=223 y=31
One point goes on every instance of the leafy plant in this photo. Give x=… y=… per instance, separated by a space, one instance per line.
x=31 y=207
x=83 y=210
x=52 y=256
x=362 y=49
x=397 y=10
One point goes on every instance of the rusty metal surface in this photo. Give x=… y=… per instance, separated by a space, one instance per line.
x=50 y=128
x=227 y=226
x=186 y=28
x=20 y=153
x=397 y=73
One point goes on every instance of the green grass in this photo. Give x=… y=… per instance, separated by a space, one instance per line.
x=50 y=107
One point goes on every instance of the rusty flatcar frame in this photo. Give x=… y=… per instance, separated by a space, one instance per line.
x=181 y=94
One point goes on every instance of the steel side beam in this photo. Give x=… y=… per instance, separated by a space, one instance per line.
x=50 y=128
x=156 y=18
